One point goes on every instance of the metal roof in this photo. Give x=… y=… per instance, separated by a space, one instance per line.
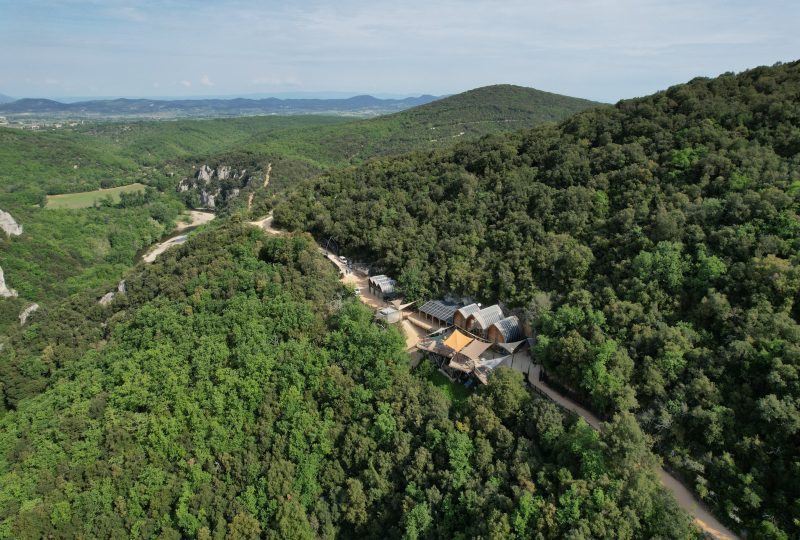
x=509 y=328
x=487 y=316
x=466 y=311
x=440 y=310
x=386 y=286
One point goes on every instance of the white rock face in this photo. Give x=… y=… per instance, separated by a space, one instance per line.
x=109 y=296
x=9 y=225
x=23 y=317
x=5 y=292
x=205 y=173
x=224 y=172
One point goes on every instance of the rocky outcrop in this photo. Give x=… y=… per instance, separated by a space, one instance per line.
x=9 y=225
x=23 y=317
x=215 y=186
x=5 y=291
x=109 y=296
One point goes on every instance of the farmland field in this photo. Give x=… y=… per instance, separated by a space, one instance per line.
x=88 y=199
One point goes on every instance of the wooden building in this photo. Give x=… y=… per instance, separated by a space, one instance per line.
x=479 y=322
x=461 y=315
x=506 y=330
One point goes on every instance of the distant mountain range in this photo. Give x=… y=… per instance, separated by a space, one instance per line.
x=6 y=99
x=152 y=108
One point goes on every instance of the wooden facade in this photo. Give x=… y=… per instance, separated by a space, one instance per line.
x=461 y=315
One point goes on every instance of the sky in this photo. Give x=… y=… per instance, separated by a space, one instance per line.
x=604 y=50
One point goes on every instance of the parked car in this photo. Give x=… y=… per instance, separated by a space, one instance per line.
x=343 y=258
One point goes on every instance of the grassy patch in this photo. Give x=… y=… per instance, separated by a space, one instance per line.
x=87 y=199
x=455 y=392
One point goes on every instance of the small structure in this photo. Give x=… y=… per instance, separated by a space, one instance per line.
x=389 y=315
x=462 y=314
x=439 y=311
x=381 y=286
x=457 y=341
x=479 y=322
x=506 y=330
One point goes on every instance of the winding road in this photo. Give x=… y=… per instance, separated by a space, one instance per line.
x=703 y=518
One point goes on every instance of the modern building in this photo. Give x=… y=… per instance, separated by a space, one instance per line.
x=479 y=322
x=439 y=311
x=382 y=286
x=462 y=314
x=506 y=330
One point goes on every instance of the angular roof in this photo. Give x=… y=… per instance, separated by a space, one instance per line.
x=457 y=341
x=474 y=350
x=487 y=366
x=466 y=311
x=440 y=310
x=510 y=328
x=512 y=346
x=487 y=316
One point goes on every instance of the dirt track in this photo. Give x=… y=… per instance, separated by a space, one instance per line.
x=685 y=498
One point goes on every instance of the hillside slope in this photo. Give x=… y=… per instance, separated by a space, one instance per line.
x=655 y=246
x=236 y=391
x=67 y=250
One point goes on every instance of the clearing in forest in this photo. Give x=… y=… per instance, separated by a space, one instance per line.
x=88 y=199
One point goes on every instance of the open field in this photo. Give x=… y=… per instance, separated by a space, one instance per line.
x=87 y=199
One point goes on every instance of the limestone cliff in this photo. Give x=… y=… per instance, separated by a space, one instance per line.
x=5 y=291
x=9 y=225
x=215 y=186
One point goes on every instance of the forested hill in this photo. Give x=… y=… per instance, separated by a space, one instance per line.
x=440 y=124
x=656 y=248
x=236 y=391
x=497 y=103
x=67 y=251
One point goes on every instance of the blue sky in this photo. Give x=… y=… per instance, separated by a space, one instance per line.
x=598 y=49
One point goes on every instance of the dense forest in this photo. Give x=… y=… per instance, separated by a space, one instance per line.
x=238 y=391
x=65 y=251
x=655 y=247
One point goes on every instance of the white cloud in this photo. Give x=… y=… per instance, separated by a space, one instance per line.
x=187 y=84
x=206 y=81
